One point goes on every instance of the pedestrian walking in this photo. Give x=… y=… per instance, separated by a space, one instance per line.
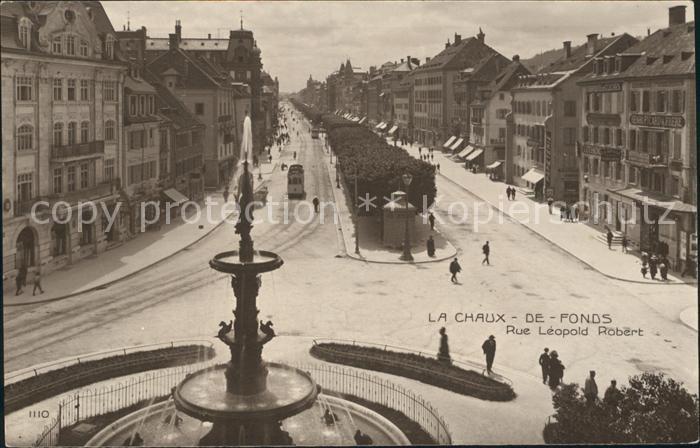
x=37 y=283
x=544 y=365
x=420 y=151
x=295 y=155
x=432 y=157
x=624 y=243
x=512 y=193
x=609 y=238
x=653 y=266
x=576 y=213
x=612 y=395
x=444 y=350
x=438 y=167
x=562 y=211
x=486 y=249
x=20 y=280
x=508 y=192
x=430 y=246
x=315 y=201
x=489 y=348
x=556 y=370
x=568 y=214
x=431 y=220
x=550 y=201
x=226 y=194
x=663 y=269
x=590 y=389
x=455 y=268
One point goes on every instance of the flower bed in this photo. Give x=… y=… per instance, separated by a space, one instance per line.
x=49 y=384
x=420 y=368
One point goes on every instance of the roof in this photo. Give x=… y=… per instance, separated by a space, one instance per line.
x=195 y=73
x=458 y=56
x=138 y=85
x=171 y=107
x=668 y=51
x=163 y=43
x=485 y=69
x=507 y=77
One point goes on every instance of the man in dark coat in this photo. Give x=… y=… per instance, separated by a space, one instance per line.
x=431 y=220
x=489 y=348
x=612 y=395
x=444 y=350
x=486 y=249
x=556 y=370
x=430 y=245
x=653 y=266
x=544 y=364
x=454 y=269
x=609 y=237
x=316 y=204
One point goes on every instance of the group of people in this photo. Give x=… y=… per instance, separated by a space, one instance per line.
x=656 y=264
x=552 y=368
x=612 y=394
x=330 y=418
x=456 y=268
x=21 y=281
x=488 y=347
x=510 y=192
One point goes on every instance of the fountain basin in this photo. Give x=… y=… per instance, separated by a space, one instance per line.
x=306 y=428
x=203 y=395
x=229 y=262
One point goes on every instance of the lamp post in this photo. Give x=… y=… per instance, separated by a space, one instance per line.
x=406 y=256
x=357 y=215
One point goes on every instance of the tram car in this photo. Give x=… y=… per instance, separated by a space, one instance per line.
x=295 y=181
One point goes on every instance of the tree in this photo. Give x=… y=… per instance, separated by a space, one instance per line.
x=652 y=409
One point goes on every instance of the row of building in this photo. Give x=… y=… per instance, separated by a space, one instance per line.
x=115 y=117
x=609 y=123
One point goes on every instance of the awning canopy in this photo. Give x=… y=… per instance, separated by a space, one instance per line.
x=393 y=129
x=363 y=120
x=356 y=119
x=494 y=165
x=533 y=176
x=379 y=126
x=177 y=197
x=474 y=155
x=457 y=144
x=657 y=200
x=381 y=94
x=384 y=125
x=465 y=151
x=449 y=142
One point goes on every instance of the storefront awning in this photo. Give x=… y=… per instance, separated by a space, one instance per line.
x=533 y=176
x=494 y=165
x=657 y=200
x=465 y=152
x=393 y=129
x=177 y=197
x=457 y=144
x=384 y=126
x=474 y=155
x=362 y=121
x=449 y=142
x=379 y=126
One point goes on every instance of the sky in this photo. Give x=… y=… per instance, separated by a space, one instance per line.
x=298 y=39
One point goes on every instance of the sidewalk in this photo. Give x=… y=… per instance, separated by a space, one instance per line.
x=139 y=253
x=371 y=247
x=578 y=239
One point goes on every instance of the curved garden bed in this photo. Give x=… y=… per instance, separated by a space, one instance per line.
x=420 y=368
x=45 y=385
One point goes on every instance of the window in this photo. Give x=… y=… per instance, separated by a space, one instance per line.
x=109 y=91
x=596 y=167
x=24 y=88
x=58 y=180
x=109 y=130
x=632 y=175
x=71 y=90
x=606 y=169
x=84 y=49
x=137 y=139
x=24 y=32
x=661 y=101
x=71 y=178
x=595 y=134
x=25 y=137
x=675 y=186
x=585 y=133
x=84 y=132
x=109 y=169
x=84 y=90
x=677 y=141
x=569 y=136
x=57 y=89
x=646 y=101
x=132 y=105
x=109 y=47
x=58 y=134
x=199 y=108
x=633 y=140
x=72 y=132
x=618 y=170
x=586 y=165
x=618 y=137
x=606 y=136
x=150 y=137
x=142 y=105
x=57 y=45
x=70 y=45
x=634 y=101
x=569 y=108
x=84 y=175
x=151 y=105
x=25 y=186
x=677 y=101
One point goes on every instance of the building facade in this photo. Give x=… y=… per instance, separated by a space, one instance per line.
x=62 y=83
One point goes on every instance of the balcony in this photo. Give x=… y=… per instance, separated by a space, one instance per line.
x=77 y=150
x=94 y=193
x=647 y=160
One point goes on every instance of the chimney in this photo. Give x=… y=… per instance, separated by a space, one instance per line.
x=516 y=58
x=447 y=44
x=481 y=35
x=676 y=15
x=427 y=59
x=458 y=38
x=174 y=42
x=567 y=49
x=402 y=60
x=590 y=44
x=178 y=29
x=209 y=36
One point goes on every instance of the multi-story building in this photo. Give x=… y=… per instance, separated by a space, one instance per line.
x=487 y=138
x=434 y=86
x=546 y=109
x=403 y=108
x=62 y=82
x=638 y=141
x=346 y=90
x=209 y=95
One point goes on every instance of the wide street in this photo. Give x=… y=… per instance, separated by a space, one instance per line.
x=317 y=294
